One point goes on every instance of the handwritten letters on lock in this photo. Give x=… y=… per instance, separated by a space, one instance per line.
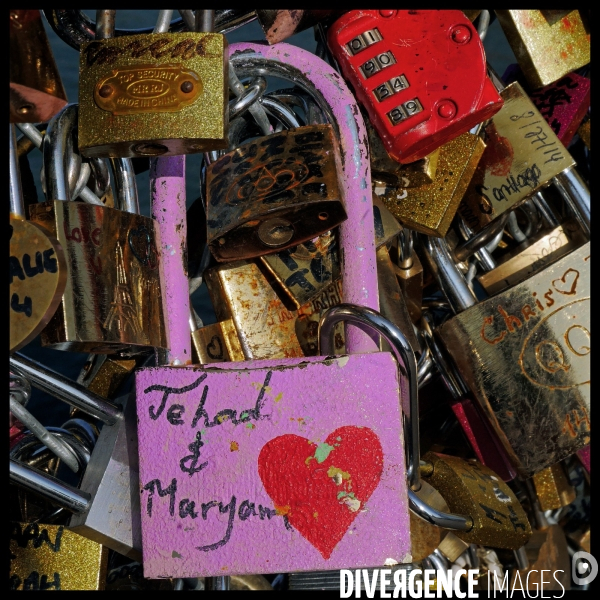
x=284 y=466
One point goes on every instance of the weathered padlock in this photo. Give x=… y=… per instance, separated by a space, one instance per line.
x=112 y=299
x=35 y=289
x=547 y=48
x=36 y=90
x=153 y=95
x=422 y=94
x=222 y=533
x=430 y=208
x=563 y=103
x=540 y=410
x=522 y=156
x=470 y=488
x=273 y=193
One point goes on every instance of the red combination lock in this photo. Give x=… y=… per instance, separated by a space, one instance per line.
x=420 y=74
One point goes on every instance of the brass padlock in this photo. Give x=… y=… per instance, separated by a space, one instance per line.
x=50 y=557
x=522 y=156
x=430 y=208
x=112 y=300
x=546 y=47
x=470 y=488
x=553 y=488
x=240 y=292
x=539 y=405
x=273 y=193
x=159 y=94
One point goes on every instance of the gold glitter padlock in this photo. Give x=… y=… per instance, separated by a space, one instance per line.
x=50 y=557
x=431 y=208
x=548 y=44
x=472 y=489
x=152 y=95
x=553 y=488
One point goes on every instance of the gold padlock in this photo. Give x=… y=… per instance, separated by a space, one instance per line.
x=240 y=292
x=522 y=156
x=431 y=208
x=547 y=44
x=553 y=488
x=112 y=300
x=160 y=94
x=50 y=557
x=472 y=489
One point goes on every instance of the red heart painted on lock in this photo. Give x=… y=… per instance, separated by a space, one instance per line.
x=322 y=488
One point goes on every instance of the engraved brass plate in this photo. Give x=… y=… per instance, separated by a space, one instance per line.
x=112 y=300
x=147 y=88
x=50 y=557
x=540 y=253
x=217 y=342
x=522 y=155
x=472 y=489
x=156 y=94
x=288 y=180
x=431 y=208
x=38 y=275
x=525 y=354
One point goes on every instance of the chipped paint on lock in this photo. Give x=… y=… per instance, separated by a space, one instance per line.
x=313 y=486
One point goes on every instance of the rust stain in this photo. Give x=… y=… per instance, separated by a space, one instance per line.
x=282 y=510
x=234 y=446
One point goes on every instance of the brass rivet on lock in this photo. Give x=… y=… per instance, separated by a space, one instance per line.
x=146 y=149
x=275 y=232
x=461 y=34
x=23 y=110
x=187 y=87
x=446 y=109
x=323 y=216
x=105 y=91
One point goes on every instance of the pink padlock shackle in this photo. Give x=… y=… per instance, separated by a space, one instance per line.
x=330 y=92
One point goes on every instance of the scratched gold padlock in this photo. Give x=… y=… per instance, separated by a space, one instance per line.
x=112 y=300
x=472 y=489
x=547 y=44
x=159 y=94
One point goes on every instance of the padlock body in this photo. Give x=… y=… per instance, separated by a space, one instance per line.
x=472 y=489
x=525 y=356
x=431 y=207
x=310 y=442
x=546 y=48
x=273 y=193
x=50 y=557
x=522 y=156
x=161 y=94
x=421 y=75
x=112 y=300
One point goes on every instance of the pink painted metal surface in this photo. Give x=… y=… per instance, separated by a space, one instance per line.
x=167 y=190
x=290 y=465
x=584 y=457
x=357 y=234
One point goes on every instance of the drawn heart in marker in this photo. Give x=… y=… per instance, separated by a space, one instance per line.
x=140 y=242
x=215 y=348
x=569 y=278
x=322 y=488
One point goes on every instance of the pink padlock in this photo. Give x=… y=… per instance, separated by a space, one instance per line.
x=287 y=464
